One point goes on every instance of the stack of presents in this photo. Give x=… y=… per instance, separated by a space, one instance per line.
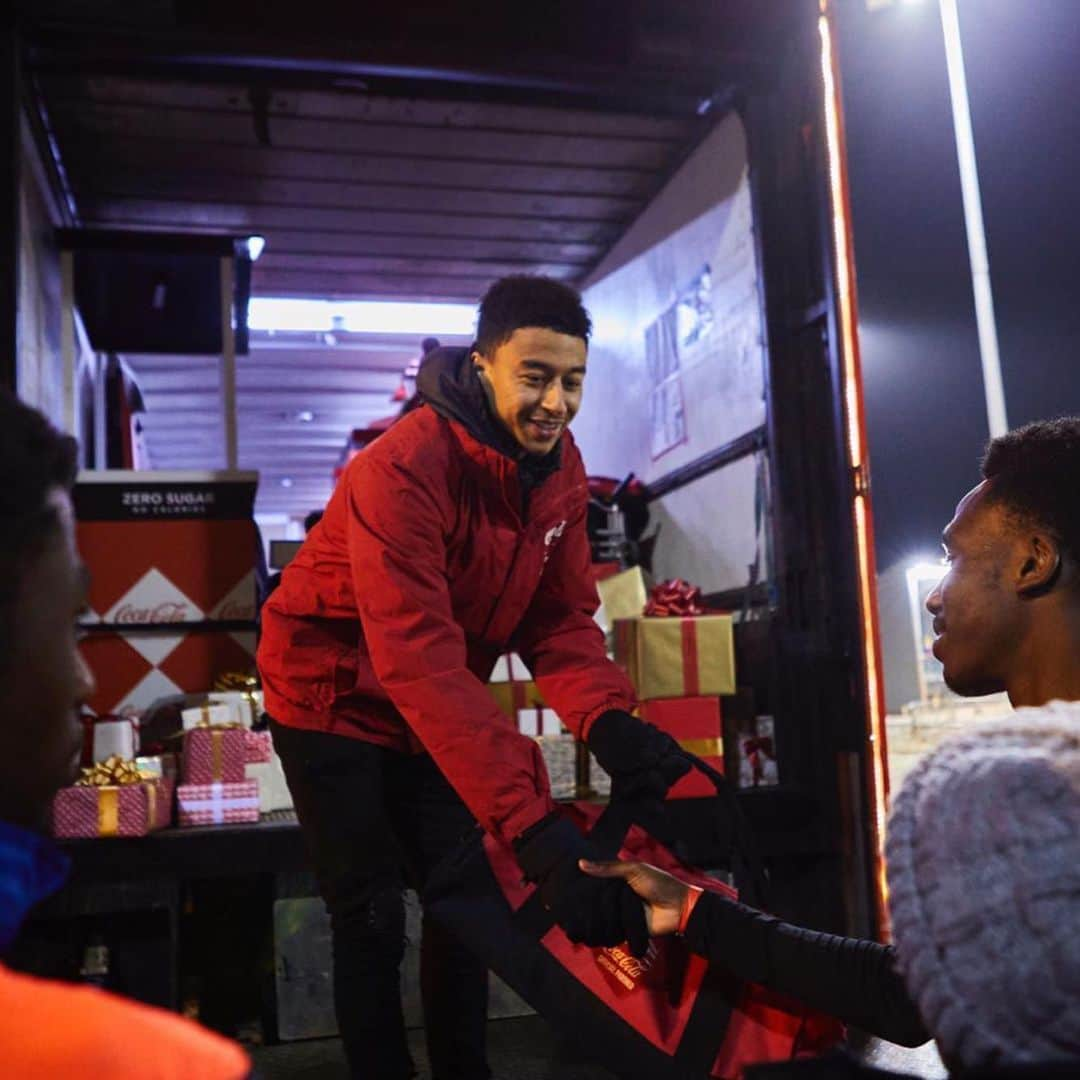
x=222 y=772
x=172 y=617
x=680 y=658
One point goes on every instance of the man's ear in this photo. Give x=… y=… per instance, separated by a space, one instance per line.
x=1041 y=565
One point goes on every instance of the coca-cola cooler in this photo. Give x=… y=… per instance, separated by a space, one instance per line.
x=172 y=600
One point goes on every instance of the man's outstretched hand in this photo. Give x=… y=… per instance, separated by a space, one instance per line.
x=591 y=912
x=662 y=894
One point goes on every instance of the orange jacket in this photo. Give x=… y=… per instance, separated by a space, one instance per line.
x=54 y=1031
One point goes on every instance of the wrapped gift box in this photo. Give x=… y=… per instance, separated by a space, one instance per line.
x=214 y=754
x=623 y=595
x=757 y=755
x=677 y=657
x=696 y=723
x=560 y=759
x=258 y=746
x=109 y=736
x=274 y=791
x=539 y=721
x=165 y=765
x=113 y=810
x=218 y=803
x=512 y=687
x=208 y=715
x=245 y=706
x=509 y=668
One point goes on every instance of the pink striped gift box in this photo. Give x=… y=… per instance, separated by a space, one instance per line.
x=214 y=754
x=218 y=803
x=258 y=747
x=114 y=810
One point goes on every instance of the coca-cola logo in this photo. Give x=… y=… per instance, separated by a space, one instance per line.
x=625 y=971
x=235 y=610
x=168 y=611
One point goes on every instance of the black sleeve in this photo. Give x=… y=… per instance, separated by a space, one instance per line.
x=855 y=981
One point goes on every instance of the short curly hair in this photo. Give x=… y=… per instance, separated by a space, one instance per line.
x=35 y=459
x=1034 y=470
x=529 y=300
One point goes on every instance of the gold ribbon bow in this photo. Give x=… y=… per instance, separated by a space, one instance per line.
x=112 y=772
x=245 y=684
x=109 y=776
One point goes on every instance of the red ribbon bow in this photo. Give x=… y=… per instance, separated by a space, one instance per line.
x=676 y=598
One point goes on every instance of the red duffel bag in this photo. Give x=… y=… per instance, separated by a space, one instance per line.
x=670 y=1015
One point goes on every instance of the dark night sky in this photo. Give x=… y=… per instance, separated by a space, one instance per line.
x=925 y=406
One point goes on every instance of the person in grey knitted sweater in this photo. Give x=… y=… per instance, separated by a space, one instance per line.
x=983 y=845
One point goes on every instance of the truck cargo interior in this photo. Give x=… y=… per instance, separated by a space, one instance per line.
x=680 y=164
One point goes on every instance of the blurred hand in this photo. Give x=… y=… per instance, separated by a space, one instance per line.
x=662 y=894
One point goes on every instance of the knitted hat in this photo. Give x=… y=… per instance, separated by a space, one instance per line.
x=983 y=855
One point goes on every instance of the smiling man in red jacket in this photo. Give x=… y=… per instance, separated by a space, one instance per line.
x=456 y=536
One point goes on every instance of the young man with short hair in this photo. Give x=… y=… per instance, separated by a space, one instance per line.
x=50 y=1029
x=455 y=537
x=982 y=845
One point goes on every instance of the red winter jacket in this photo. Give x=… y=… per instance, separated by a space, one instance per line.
x=389 y=620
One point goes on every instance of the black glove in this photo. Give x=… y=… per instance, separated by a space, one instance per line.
x=592 y=911
x=642 y=761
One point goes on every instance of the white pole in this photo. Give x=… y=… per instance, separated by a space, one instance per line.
x=228 y=363
x=973 y=220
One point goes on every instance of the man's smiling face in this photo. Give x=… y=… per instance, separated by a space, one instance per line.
x=534 y=382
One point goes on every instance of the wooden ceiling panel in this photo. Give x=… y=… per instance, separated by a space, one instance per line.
x=94 y=155
x=267 y=220
x=105 y=182
x=481 y=147
x=349 y=103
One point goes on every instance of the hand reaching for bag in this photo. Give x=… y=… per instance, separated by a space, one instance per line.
x=664 y=896
x=591 y=912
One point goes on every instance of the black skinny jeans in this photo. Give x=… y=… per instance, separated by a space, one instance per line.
x=375 y=820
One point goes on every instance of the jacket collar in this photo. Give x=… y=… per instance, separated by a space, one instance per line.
x=31 y=868
x=448 y=382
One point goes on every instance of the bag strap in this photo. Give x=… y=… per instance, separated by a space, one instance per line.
x=747 y=866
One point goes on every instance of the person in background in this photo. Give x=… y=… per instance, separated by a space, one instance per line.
x=50 y=1029
x=983 y=844
x=274 y=579
x=415 y=399
x=457 y=535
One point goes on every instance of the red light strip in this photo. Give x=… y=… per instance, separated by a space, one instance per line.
x=878 y=780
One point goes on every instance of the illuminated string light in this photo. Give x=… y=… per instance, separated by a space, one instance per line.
x=856 y=446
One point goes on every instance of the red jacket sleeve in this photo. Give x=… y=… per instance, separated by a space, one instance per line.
x=397 y=533
x=560 y=641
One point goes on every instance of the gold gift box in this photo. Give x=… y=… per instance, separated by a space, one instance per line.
x=512 y=696
x=677 y=657
x=623 y=595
